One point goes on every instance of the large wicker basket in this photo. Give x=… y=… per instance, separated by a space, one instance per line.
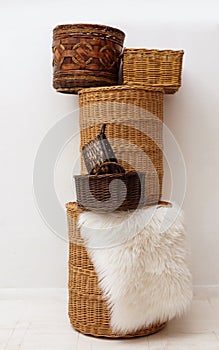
x=153 y=67
x=88 y=311
x=85 y=55
x=134 y=118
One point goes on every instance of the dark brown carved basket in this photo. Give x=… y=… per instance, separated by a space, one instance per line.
x=100 y=193
x=86 y=55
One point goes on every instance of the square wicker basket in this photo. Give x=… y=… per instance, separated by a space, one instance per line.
x=151 y=67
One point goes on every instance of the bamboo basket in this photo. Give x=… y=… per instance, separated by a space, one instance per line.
x=86 y=55
x=87 y=309
x=153 y=67
x=134 y=118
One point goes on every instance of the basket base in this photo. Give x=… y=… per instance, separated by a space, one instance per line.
x=167 y=88
x=72 y=83
x=139 y=333
x=75 y=89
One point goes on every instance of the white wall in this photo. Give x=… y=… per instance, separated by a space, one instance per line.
x=31 y=255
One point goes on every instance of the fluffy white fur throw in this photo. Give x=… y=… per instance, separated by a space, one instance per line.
x=140 y=258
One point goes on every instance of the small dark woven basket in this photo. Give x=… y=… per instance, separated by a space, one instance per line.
x=86 y=55
x=96 y=193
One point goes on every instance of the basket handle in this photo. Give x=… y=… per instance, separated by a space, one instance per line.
x=103 y=129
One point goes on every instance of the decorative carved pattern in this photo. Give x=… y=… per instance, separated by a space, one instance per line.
x=108 y=56
x=84 y=55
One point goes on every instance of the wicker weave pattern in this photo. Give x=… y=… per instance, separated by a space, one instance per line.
x=100 y=193
x=134 y=117
x=88 y=310
x=85 y=55
x=153 y=67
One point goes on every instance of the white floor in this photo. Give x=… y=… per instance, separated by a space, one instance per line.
x=37 y=320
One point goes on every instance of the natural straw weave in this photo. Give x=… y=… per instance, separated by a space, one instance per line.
x=86 y=55
x=134 y=117
x=88 y=311
x=153 y=67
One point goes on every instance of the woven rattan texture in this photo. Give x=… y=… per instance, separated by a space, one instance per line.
x=88 y=310
x=134 y=118
x=85 y=55
x=153 y=67
x=101 y=193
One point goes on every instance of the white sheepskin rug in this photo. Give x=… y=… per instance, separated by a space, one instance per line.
x=141 y=261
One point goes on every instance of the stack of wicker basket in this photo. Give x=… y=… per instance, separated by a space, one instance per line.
x=87 y=61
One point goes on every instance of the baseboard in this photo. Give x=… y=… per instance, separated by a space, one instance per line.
x=16 y=293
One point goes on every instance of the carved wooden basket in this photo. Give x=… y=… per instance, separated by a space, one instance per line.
x=85 y=55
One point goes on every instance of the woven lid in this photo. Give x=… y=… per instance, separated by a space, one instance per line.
x=97 y=30
x=121 y=88
x=73 y=206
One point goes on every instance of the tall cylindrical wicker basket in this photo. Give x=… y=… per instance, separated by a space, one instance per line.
x=88 y=311
x=134 y=117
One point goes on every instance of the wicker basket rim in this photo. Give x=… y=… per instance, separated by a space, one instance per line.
x=122 y=87
x=87 y=26
x=114 y=176
x=146 y=50
x=130 y=83
x=73 y=206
